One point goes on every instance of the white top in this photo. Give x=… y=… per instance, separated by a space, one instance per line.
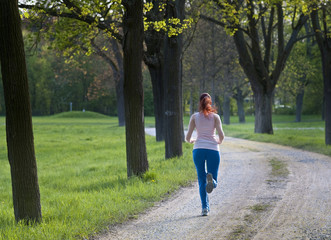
x=206 y=131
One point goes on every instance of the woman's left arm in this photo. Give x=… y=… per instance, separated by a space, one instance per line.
x=219 y=129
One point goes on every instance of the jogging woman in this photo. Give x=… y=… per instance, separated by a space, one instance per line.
x=206 y=147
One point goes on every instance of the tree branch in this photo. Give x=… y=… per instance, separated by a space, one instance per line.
x=212 y=20
x=104 y=56
x=280 y=27
x=74 y=15
x=268 y=39
x=189 y=41
x=283 y=55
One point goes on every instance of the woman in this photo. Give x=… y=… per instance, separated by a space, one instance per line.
x=206 y=147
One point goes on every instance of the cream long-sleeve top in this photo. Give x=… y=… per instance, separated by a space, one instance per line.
x=206 y=127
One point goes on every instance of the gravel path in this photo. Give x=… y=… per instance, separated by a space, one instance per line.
x=266 y=191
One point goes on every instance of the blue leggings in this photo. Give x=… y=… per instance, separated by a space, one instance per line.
x=200 y=158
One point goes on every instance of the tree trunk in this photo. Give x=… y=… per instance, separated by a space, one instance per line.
x=158 y=93
x=153 y=59
x=262 y=89
x=240 y=105
x=324 y=43
x=226 y=109
x=133 y=29
x=119 y=83
x=192 y=108
x=172 y=86
x=120 y=99
x=299 y=103
x=263 y=112
x=20 y=144
x=326 y=63
x=323 y=109
x=218 y=104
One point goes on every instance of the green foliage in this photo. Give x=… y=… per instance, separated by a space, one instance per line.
x=41 y=82
x=302 y=73
x=171 y=27
x=54 y=82
x=235 y=14
x=78 y=23
x=82 y=177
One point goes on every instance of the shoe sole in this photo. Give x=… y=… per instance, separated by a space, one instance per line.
x=205 y=213
x=210 y=184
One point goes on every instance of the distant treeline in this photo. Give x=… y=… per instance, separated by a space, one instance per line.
x=83 y=83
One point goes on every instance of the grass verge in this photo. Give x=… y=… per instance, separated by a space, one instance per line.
x=82 y=178
x=278 y=168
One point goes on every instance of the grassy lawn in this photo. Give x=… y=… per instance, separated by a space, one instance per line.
x=82 y=177
x=307 y=135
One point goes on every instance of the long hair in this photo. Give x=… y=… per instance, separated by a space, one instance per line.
x=205 y=104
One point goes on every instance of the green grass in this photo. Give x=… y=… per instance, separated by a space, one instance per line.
x=260 y=207
x=82 y=178
x=278 y=168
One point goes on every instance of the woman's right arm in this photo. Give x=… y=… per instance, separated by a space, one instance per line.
x=191 y=127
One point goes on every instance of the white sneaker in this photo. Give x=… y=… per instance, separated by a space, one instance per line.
x=210 y=183
x=205 y=212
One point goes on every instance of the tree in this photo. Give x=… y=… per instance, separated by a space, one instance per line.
x=133 y=89
x=164 y=23
x=73 y=31
x=92 y=16
x=258 y=29
x=20 y=144
x=211 y=66
x=324 y=42
x=107 y=18
x=174 y=132
x=153 y=58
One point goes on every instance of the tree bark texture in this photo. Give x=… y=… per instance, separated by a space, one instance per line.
x=153 y=58
x=226 y=109
x=327 y=93
x=158 y=99
x=120 y=99
x=119 y=84
x=192 y=108
x=172 y=86
x=240 y=105
x=299 y=104
x=20 y=143
x=137 y=162
x=263 y=112
x=324 y=43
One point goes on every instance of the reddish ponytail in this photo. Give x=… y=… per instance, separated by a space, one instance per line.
x=205 y=104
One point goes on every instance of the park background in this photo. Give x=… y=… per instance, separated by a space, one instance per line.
x=81 y=154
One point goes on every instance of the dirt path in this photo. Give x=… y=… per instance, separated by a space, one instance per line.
x=266 y=191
